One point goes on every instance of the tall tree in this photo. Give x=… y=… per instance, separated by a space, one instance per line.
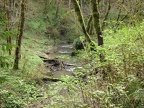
x=20 y=34
x=89 y=25
x=106 y=15
x=57 y=8
x=96 y=20
x=97 y=26
x=81 y=20
x=7 y=9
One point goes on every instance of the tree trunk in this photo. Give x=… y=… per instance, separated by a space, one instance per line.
x=106 y=15
x=69 y=4
x=118 y=17
x=57 y=9
x=19 y=36
x=88 y=28
x=7 y=7
x=81 y=5
x=9 y=41
x=96 y=19
x=81 y=20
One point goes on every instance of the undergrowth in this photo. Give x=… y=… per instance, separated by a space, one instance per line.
x=116 y=83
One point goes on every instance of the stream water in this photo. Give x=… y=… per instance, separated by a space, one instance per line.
x=63 y=53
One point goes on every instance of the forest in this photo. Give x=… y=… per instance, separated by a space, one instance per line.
x=71 y=54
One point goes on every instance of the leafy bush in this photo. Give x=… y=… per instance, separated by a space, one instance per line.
x=79 y=43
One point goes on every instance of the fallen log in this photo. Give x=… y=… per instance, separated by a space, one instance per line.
x=51 y=79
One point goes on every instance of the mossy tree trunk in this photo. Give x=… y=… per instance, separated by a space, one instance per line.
x=7 y=9
x=89 y=25
x=19 y=35
x=81 y=20
x=10 y=21
x=96 y=19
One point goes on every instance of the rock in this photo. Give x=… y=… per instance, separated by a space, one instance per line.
x=47 y=52
x=43 y=56
x=67 y=64
x=53 y=62
x=73 y=54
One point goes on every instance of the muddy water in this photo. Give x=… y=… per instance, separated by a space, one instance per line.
x=63 y=53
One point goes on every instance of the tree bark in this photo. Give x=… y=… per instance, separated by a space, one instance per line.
x=106 y=15
x=81 y=20
x=7 y=7
x=88 y=28
x=57 y=9
x=96 y=19
x=19 y=35
x=69 y=4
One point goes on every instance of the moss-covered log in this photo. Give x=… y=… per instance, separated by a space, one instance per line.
x=51 y=79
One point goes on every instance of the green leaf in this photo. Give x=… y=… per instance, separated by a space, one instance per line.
x=3 y=78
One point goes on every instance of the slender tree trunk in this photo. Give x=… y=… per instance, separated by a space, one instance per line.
x=88 y=28
x=96 y=19
x=13 y=5
x=19 y=36
x=9 y=18
x=7 y=7
x=57 y=9
x=81 y=20
x=106 y=15
x=69 y=4
x=45 y=8
x=118 y=17
x=81 y=5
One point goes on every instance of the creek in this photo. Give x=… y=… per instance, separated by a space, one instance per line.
x=59 y=60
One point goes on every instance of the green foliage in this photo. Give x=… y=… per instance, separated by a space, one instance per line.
x=17 y=93
x=36 y=26
x=79 y=43
x=115 y=83
x=5 y=60
x=30 y=62
x=118 y=82
x=3 y=78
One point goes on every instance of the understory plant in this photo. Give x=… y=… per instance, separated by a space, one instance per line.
x=118 y=82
